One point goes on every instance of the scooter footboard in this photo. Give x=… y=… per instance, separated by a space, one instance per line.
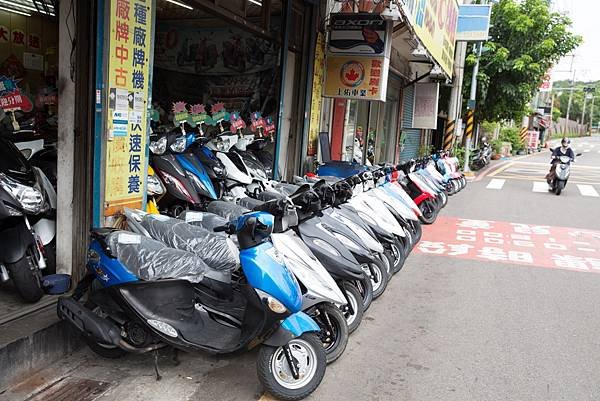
x=292 y=327
x=101 y=330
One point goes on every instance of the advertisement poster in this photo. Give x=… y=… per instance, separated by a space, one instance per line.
x=212 y=51
x=128 y=91
x=426 y=106
x=366 y=34
x=317 y=93
x=435 y=22
x=356 y=77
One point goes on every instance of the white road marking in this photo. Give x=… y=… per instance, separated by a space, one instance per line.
x=587 y=151
x=588 y=190
x=496 y=184
x=540 y=186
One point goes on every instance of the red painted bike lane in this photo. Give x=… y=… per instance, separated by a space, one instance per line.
x=513 y=243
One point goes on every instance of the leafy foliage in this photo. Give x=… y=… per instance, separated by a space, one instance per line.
x=561 y=102
x=527 y=38
x=512 y=135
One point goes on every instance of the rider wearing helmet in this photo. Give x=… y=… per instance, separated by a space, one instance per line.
x=563 y=150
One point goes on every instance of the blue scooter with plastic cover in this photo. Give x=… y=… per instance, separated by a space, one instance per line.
x=143 y=295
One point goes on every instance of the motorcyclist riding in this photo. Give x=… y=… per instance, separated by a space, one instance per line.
x=563 y=150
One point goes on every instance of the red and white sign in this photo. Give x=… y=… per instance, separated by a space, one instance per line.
x=15 y=101
x=533 y=139
x=514 y=243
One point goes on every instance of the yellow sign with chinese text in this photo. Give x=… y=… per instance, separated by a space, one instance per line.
x=317 y=93
x=435 y=22
x=127 y=96
x=356 y=77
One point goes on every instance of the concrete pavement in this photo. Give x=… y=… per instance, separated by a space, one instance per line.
x=447 y=328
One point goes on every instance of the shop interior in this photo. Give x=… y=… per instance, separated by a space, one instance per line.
x=225 y=57
x=29 y=42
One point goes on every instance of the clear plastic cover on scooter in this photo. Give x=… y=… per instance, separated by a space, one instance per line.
x=218 y=252
x=150 y=259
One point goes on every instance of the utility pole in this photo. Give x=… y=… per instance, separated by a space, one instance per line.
x=592 y=115
x=570 y=96
x=454 y=105
x=471 y=109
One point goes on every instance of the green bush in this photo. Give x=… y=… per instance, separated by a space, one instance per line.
x=459 y=153
x=512 y=135
x=496 y=145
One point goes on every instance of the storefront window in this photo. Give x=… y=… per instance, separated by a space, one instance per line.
x=28 y=130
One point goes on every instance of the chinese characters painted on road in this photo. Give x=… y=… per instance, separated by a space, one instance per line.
x=514 y=243
x=128 y=93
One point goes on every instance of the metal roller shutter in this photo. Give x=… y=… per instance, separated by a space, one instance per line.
x=411 y=136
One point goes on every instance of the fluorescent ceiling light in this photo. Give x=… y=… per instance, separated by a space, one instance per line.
x=25 y=6
x=10 y=10
x=258 y=3
x=180 y=4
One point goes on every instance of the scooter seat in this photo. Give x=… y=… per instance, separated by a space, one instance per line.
x=151 y=260
x=218 y=252
x=228 y=210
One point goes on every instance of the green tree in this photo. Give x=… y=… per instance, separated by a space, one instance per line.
x=527 y=38
x=562 y=100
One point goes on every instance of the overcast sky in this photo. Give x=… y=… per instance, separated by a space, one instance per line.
x=586 y=63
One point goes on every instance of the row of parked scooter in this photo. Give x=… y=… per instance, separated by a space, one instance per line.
x=237 y=260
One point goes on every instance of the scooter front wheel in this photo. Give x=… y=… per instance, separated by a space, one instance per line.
x=334 y=329
x=26 y=278
x=275 y=374
x=429 y=211
x=354 y=317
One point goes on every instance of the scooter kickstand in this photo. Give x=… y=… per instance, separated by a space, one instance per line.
x=175 y=357
x=158 y=376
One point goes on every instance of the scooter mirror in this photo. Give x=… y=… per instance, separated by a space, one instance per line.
x=578 y=154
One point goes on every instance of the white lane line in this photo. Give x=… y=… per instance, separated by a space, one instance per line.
x=588 y=190
x=540 y=186
x=496 y=183
x=587 y=151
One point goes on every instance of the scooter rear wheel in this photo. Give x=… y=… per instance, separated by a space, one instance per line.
x=274 y=371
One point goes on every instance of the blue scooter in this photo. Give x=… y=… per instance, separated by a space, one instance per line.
x=144 y=295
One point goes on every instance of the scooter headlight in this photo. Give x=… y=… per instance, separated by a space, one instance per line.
x=220 y=145
x=179 y=145
x=219 y=172
x=159 y=146
x=30 y=199
x=273 y=303
x=155 y=187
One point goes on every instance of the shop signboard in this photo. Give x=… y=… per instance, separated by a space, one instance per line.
x=473 y=22
x=533 y=139
x=367 y=34
x=434 y=22
x=129 y=46
x=317 y=96
x=426 y=106
x=356 y=77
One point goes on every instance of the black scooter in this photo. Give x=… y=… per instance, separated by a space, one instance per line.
x=23 y=202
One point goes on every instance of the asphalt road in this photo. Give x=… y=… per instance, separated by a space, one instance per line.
x=448 y=328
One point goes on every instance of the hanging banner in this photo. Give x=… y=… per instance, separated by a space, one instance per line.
x=128 y=94
x=426 y=106
x=357 y=77
x=367 y=34
x=317 y=96
x=473 y=22
x=434 y=22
